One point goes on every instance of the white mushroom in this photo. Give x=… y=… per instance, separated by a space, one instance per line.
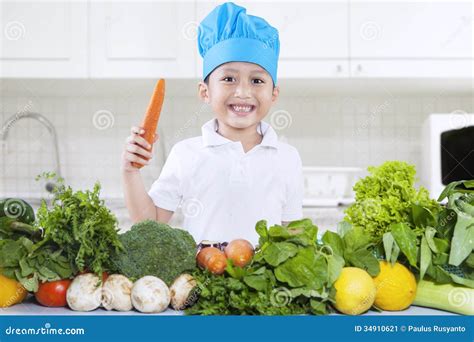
x=150 y=295
x=181 y=291
x=116 y=293
x=84 y=293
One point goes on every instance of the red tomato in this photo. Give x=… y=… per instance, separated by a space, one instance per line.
x=53 y=293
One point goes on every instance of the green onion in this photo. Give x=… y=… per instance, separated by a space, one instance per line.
x=448 y=297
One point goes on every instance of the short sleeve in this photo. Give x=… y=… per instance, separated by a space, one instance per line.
x=166 y=190
x=293 y=208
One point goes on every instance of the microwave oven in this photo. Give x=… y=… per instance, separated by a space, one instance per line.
x=447 y=150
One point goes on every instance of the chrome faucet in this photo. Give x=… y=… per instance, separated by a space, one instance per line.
x=45 y=122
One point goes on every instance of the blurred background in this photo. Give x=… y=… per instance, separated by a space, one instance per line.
x=361 y=82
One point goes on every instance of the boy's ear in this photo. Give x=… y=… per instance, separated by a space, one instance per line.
x=203 y=92
x=276 y=93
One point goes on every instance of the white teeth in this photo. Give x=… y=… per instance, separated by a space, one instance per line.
x=242 y=108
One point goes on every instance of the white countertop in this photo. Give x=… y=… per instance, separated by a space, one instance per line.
x=30 y=307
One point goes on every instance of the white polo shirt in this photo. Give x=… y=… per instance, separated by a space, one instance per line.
x=224 y=191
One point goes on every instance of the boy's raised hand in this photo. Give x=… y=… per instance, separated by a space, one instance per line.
x=137 y=150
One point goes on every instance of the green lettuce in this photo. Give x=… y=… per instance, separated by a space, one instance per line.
x=387 y=197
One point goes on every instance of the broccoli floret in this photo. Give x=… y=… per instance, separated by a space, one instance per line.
x=152 y=248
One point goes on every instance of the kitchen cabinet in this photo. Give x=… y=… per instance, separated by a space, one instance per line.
x=148 y=39
x=43 y=39
x=411 y=39
x=319 y=39
x=313 y=35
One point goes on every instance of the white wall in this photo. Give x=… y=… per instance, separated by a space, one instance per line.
x=336 y=125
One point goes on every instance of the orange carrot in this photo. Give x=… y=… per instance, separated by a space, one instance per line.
x=150 y=120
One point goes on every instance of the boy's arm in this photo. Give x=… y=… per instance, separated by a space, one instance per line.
x=139 y=204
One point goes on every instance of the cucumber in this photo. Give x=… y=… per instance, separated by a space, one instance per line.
x=18 y=209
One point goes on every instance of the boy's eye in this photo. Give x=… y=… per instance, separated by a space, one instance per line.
x=228 y=79
x=258 y=81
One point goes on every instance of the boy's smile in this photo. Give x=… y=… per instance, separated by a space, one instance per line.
x=242 y=109
x=240 y=94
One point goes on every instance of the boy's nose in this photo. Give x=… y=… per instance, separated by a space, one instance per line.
x=242 y=90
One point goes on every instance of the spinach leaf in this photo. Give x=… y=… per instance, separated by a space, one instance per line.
x=440 y=259
x=307 y=268
x=258 y=282
x=442 y=245
x=334 y=241
x=261 y=229
x=425 y=257
x=459 y=186
x=446 y=223
x=462 y=243
x=356 y=238
x=445 y=275
x=406 y=240
x=317 y=307
x=422 y=216
x=343 y=227
x=429 y=237
x=470 y=260
x=364 y=259
x=391 y=248
x=278 y=252
x=278 y=233
x=335 y=264
x=302 y=232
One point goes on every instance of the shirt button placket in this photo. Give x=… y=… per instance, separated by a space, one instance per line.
x=239 y=172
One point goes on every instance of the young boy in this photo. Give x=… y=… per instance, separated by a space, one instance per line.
x=237 y=172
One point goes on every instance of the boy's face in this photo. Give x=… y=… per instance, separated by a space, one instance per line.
x=239 y=93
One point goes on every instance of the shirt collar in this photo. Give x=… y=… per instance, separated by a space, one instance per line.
x=211 y=138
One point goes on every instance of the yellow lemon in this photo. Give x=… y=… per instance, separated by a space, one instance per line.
x=11 y=292
x=355 y=291
x=396 y=287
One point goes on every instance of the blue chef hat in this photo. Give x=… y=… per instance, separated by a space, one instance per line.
x=229 y=34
